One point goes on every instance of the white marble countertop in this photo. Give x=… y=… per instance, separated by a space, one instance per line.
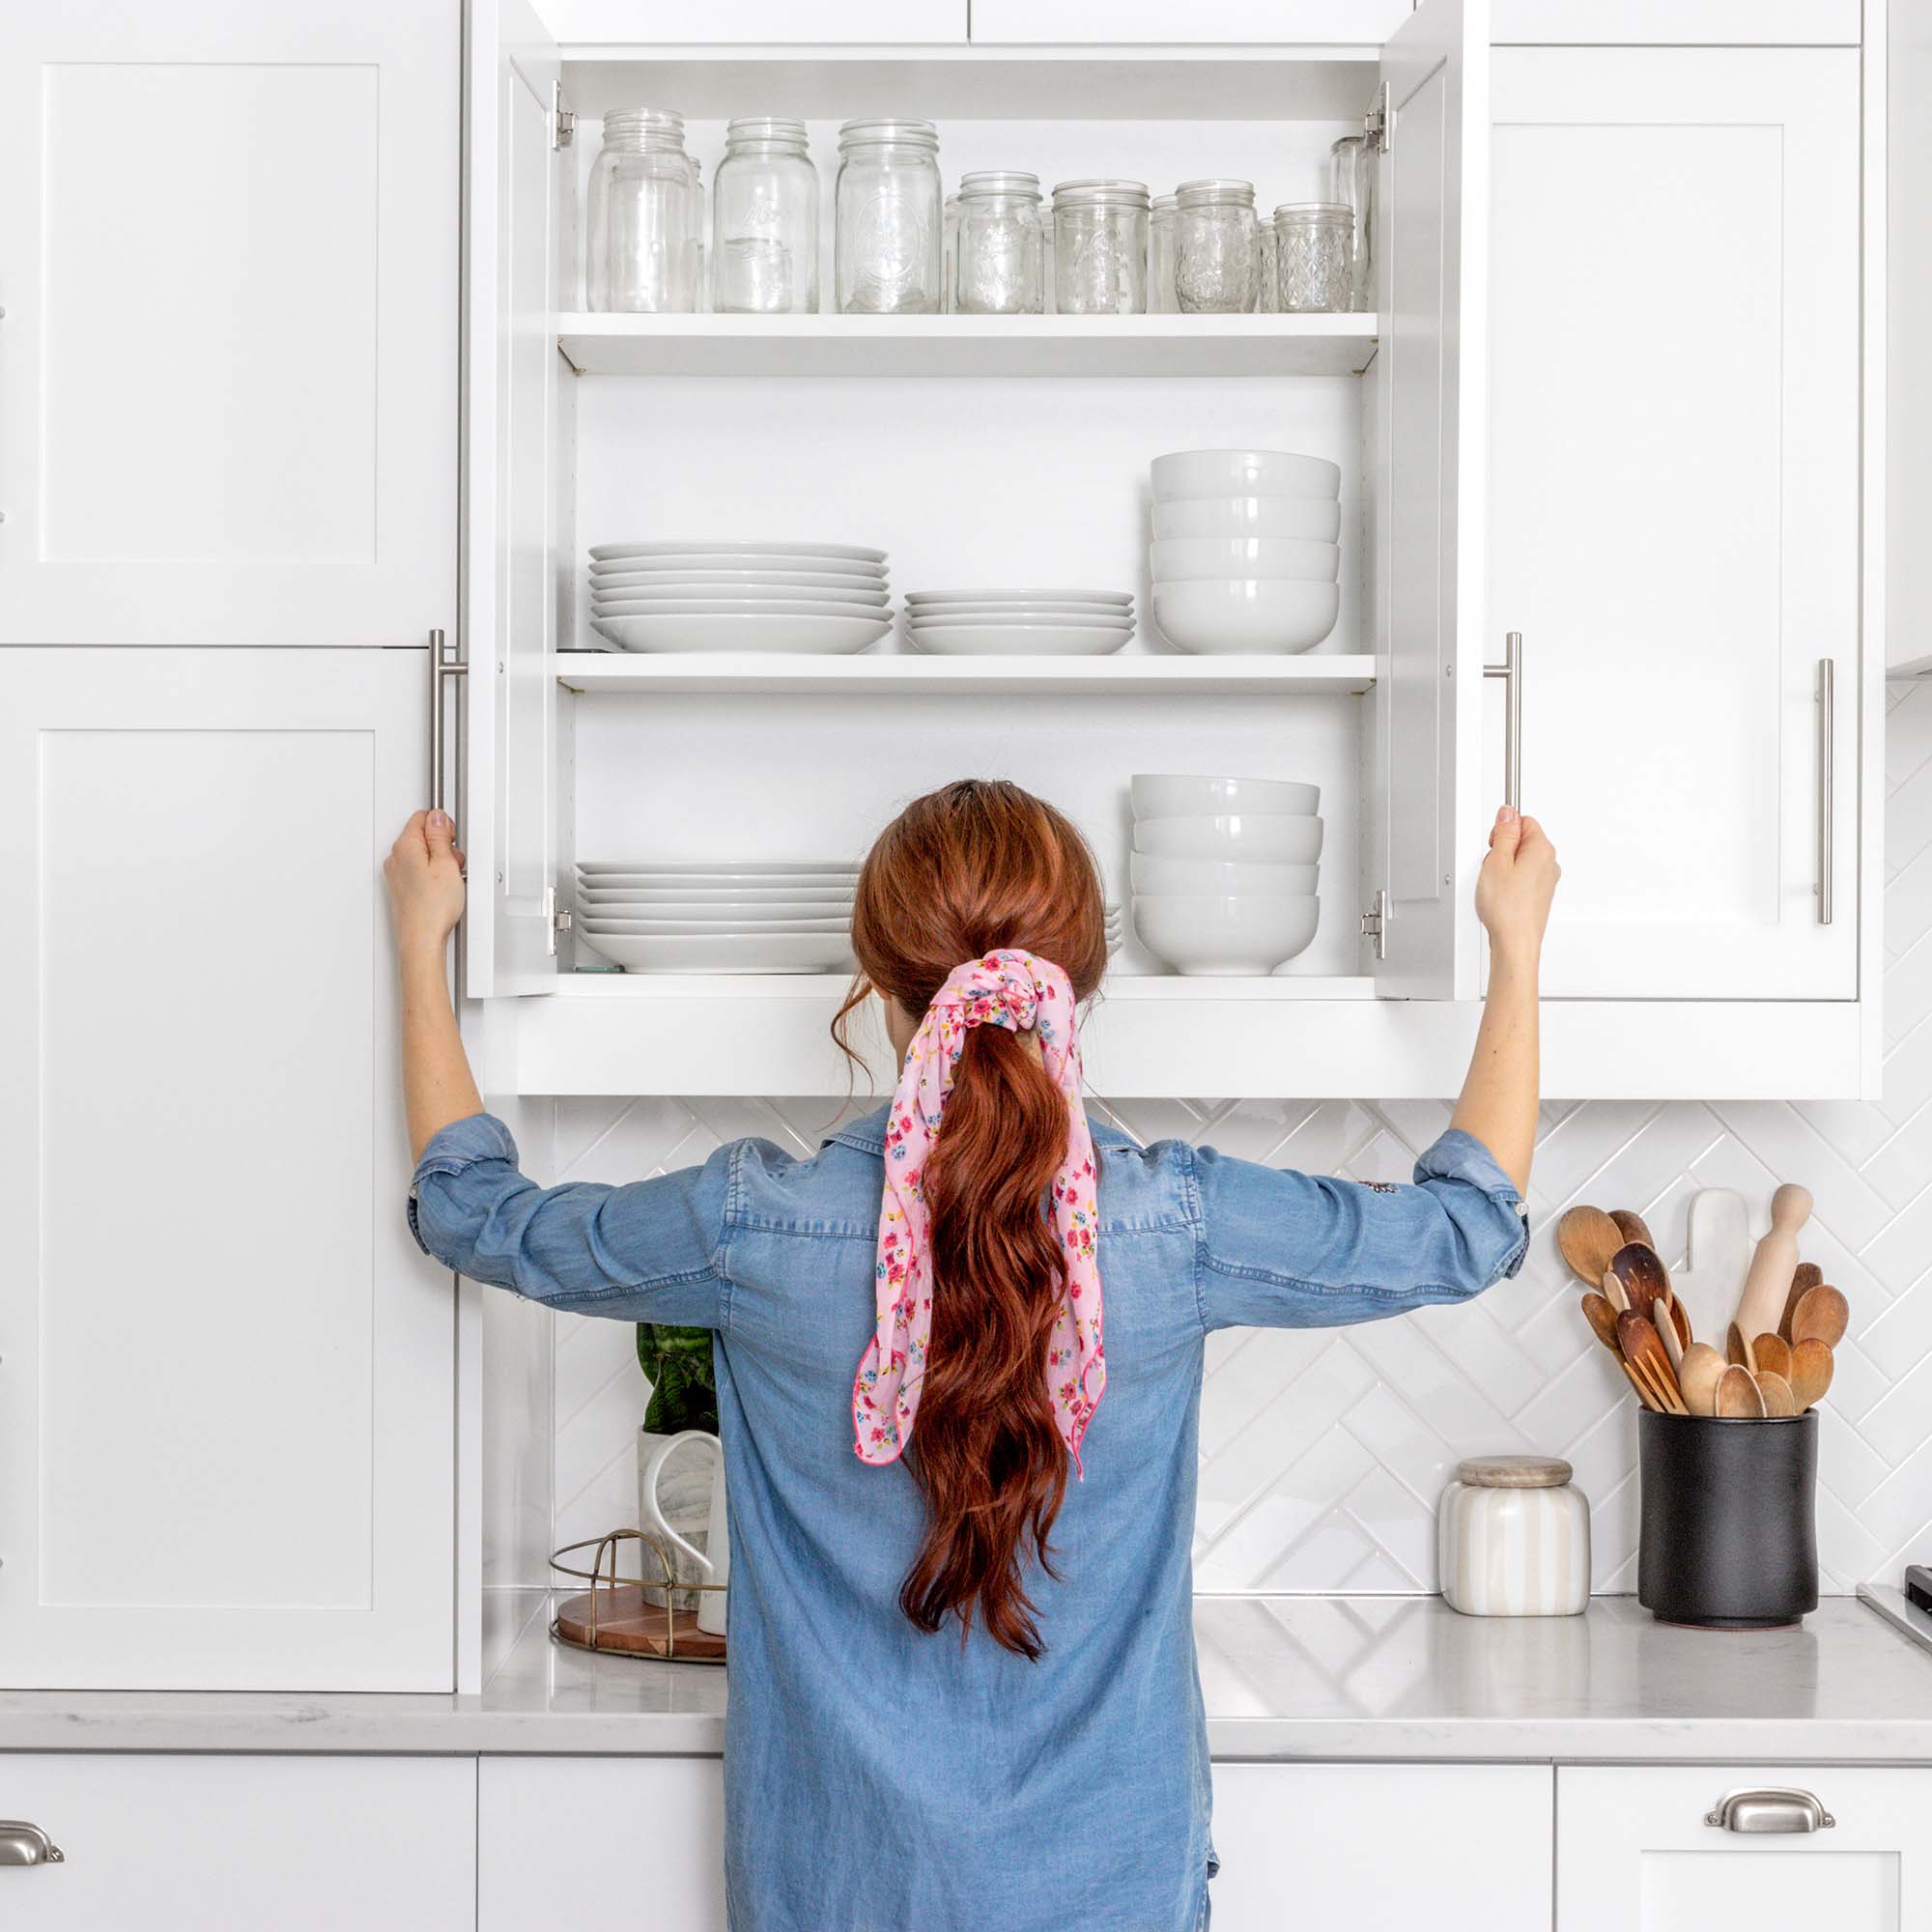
x=1284 y=1677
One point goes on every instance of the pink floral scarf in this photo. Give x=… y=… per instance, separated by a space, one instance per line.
x=1007 y=988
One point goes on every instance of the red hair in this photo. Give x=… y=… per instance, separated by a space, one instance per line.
x=974 y=867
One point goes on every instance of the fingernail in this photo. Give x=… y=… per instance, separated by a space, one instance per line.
x=439 y=819
x=1507 y=814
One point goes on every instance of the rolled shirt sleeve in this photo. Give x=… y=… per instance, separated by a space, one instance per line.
x=1283 y=1250
x=649 y=1251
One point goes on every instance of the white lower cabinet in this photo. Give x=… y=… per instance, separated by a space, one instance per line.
x=1637 y=1848
x=241 y=1844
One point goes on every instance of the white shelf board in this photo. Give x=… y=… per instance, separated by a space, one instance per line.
x=905 y=674
x=967 y=345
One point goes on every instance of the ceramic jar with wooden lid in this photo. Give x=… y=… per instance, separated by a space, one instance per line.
x=1512 y=1539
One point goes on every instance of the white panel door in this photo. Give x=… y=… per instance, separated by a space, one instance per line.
x=242 y=1844
x=758 y=23
x=1310 y=1845
x=1429 y=412
x=1162 y=23
x=1635 y=1853
x=228 y=368
x=225 y=1368
x=538 y=1817
x=1674 y=509
x=519 y=245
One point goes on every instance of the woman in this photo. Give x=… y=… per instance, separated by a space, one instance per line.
x=959 y=1376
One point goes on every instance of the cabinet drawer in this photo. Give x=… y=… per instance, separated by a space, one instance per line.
x=207 y=1844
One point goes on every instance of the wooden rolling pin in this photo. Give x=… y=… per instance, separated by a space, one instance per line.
x=1761 y=1305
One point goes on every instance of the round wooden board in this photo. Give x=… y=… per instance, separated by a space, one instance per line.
x=632 y=1628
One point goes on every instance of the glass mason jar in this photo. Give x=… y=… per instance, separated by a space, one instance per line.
x=949 y=256
x=1270 y=295
x=1002 y=249
x=890 y=223
x=1218 y=247
x=1100 y=247
x=644 y=218
x=1314 y=245
x=1351 y=163
x=1160 y=257
x=764 y=221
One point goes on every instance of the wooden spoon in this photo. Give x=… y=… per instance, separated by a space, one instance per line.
x=1680 y=1321
x=1737 y=1349
x=1603 y=1320
x=1810 y=1372
x=1643 y=1350
x=1587 y=1238
x=1699 y=1377
x=1632 y=1226
x=1739 y=1396
x=1775 y=1264
x=1666 y=1333
x=1778 y=1399
x=1770 y=1354
x=1821 y=1315
x=1613 y=1290
x=1803 y=1279
x=1640 y=1270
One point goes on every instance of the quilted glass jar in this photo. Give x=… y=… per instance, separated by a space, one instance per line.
x=1218 y=248
x=1314 y=246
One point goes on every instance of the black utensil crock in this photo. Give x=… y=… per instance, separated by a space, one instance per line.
x=1729 y=1536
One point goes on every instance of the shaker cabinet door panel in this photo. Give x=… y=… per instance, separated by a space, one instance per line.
x=226 y=1371
x=1674 y=507
x=228 y=364
x=1163 y=23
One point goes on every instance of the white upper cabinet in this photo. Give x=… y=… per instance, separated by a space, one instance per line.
x=226 y=1372
x=1814 y=23
x=819 y=24
x=1164 y=22
x=228 y=363
x=1674 y=509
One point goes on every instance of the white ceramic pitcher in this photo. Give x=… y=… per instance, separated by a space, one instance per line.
x=714 y=1561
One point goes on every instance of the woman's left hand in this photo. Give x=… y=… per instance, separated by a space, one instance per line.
x=424 y=871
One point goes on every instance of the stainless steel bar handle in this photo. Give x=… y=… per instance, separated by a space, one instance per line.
x=1770 y=1808
x=1511 y=669
x=1827 y=671
x=25 y=1844
x=442 y=666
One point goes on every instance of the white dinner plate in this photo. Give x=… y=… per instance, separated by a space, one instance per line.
x=1107 y=597
x=1102 y=615
x=610 y=583
x=722 y=868
x=793 y=635
x=965 y=640
x=733 y=547
x=1062 y=620
x=729 y=952
x=743 y=898
x=726 y=923
x=734 y=607
x=876 y=576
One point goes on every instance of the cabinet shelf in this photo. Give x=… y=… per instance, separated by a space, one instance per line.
x=967 y=345
x=892 y=674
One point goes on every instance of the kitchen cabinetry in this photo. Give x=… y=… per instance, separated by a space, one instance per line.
x=226 y=1373
x=230 y=1844
x=1634 y=1845
x=228 y=363
x=1161 y=23
x=758 y=22
x=1711 y=23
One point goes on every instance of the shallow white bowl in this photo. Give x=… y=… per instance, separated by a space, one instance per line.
x=726 y=606
x=713 y=631
x=1016 y=640
x=1241 y=472
x=1021 y=614
x=1113 y=597
x=1219 y=878
x=1186 y=559
x=1159 y=796
x=1279 y=614
x=616 y=584
x=594 y=924
x=1244 y=838
x=710 y=562
x=729 y=952
x=730 y=869
x=733 y=547
x=1195 y=933
x=1317 y=519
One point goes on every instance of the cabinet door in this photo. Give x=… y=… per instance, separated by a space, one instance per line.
x=1309 y=1844
x=1674 y=506
x=236 y=1845
x=758 y=23
x=1633 y=1850
x=1163 y=22
x=518 y=245
x=226 y=1371
x=1427 y=410
x=585 y=1814
x=228 y=258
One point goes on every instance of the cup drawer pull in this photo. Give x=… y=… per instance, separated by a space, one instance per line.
x=24 y=1844
x=1770 y=1810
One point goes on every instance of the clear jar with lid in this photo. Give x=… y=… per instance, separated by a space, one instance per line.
x=643 y=217
x=1314 y=245
x=889 y=225
x=1160 y=257
x=1218 y=247
x=764 y=221
x=1100 y=247
x=1001 y=248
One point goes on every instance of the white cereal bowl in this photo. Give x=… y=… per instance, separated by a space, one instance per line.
x=1184 y=560
x=1219 y=878
x=1199 y=934
x=1241 y=838
x=1278 y=614
x=1241 y=472
x=1316 y=519
x=1161 y=797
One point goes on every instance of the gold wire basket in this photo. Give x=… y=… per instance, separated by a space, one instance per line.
x=616 y=1615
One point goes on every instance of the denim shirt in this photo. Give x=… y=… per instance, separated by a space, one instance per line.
x=878 y=1778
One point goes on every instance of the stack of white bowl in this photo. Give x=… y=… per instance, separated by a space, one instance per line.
x=1224 y=871
x=722 y=916
x=1019 y=623
x=728 y=594
x=1245 y=553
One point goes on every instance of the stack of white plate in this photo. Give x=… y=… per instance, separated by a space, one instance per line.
x=1246 y=551
x=721 y=915
x=1224 y=871
x=1019 y=623
x=739 y=595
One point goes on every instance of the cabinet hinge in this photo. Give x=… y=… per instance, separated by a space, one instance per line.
x=1378 y=123
x=564 y=132
x=1375 y=924
x=555 y=922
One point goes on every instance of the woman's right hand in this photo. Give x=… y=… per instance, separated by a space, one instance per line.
x=1516 y=885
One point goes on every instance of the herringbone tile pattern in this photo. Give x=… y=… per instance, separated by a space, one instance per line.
x=1323 y=1452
